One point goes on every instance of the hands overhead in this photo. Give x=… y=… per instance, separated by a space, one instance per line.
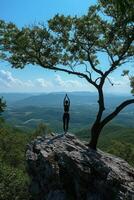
x=66 y=98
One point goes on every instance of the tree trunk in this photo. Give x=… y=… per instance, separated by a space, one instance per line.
x=95 y=132
x=98 y=126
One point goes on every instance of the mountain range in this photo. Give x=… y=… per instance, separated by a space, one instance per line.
x=27 y=110
x=56 y=99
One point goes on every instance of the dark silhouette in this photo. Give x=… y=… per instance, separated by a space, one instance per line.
x=66 y=116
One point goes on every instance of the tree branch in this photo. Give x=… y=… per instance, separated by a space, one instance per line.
x=90 y=60
x=93 y=66
x=116 y=111
x=86 y=70
x=97 y=79
x=80 y=74
x=110 y=81
x=115 y=63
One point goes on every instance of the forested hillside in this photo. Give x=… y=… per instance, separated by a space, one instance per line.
x=13 y=176
x=26 y=112
x=115 y=139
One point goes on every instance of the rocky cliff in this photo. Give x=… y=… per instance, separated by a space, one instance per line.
x=63 y=168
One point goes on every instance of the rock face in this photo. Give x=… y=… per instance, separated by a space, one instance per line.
x=63 y=168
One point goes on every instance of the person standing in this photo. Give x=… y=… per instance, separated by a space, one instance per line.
x=66 y=116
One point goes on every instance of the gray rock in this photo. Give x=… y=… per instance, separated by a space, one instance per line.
x=63 y=168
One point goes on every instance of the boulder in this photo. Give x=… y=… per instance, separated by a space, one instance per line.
x=63 y=168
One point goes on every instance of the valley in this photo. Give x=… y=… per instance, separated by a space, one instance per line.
x=27 y=111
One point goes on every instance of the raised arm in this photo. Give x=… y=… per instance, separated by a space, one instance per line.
x=68 y=99
x=64 y=99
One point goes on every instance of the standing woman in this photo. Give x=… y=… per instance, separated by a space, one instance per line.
x=66 y=116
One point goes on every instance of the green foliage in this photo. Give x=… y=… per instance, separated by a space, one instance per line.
x=27 y=44
x=115 y=139
x=11 y=143
x=13 y=176
x=13 y=183
x=122 y=149
x=132 y=84
x=119 y=8
x=41 y=130
x=125 y=73
x=131 y=78
x=2 y=105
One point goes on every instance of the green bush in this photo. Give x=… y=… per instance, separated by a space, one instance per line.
x=13 y=176
x=123 y=150
x=13 y=184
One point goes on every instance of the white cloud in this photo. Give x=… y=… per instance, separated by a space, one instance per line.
x=7 y=80
x=69 y=84
x=43 y=83
x=29 y=83
x=59 y=80
x=10 y=83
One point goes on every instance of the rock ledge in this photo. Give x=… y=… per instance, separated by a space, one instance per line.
x=63 y=168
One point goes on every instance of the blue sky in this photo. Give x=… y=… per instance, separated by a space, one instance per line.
x=34 y=78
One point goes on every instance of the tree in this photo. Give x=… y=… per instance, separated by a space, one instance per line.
x=73 y=45
x=13 y=183
x=14 y=180
x=123 y=7
x=122 y=149
x=41 y=130
x=2 y=105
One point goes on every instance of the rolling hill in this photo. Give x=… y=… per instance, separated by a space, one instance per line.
x=29 y=111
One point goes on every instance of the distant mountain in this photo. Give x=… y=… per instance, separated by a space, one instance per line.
x=56 y=99
x=13 y=97
x=30 y=109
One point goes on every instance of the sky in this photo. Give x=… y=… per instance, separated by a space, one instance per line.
x=35 y=78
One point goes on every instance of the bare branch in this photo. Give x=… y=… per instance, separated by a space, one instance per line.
x=116 y=111
x=97 y=79
x=110 y=81
x=80 y=74
x=77 y=64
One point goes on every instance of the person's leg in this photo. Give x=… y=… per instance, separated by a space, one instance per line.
x=67 y=122
x=65 y=125
x=64 y=122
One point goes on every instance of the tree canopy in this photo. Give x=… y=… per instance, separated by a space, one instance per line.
x=73 y=43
